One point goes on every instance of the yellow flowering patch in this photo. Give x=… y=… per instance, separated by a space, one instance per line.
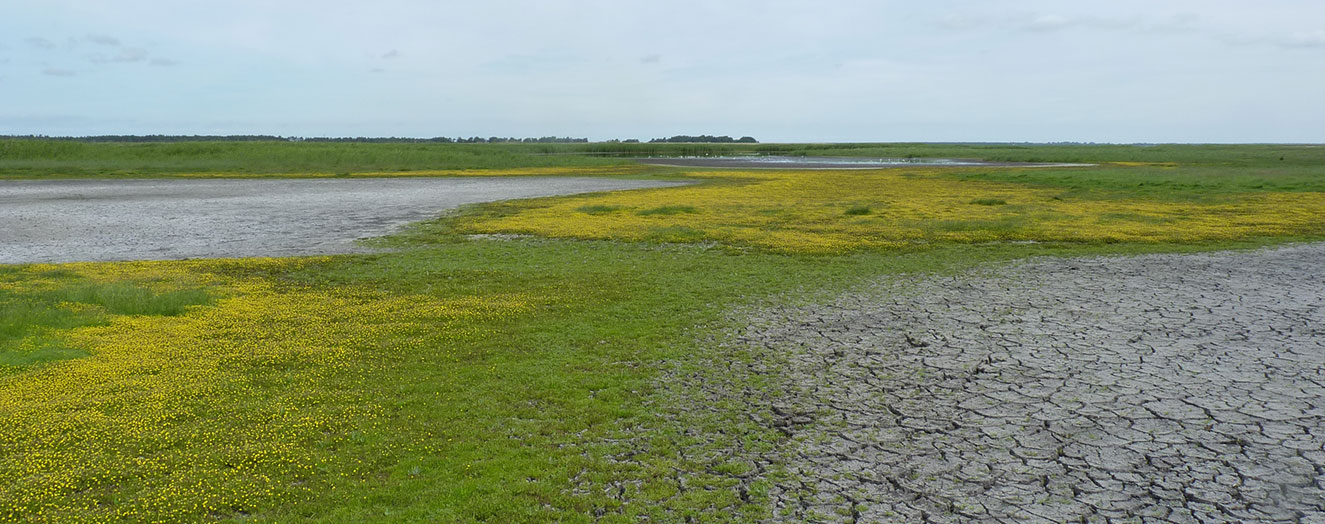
x=840 y=211
x=524 y=171
x=1143 y=164
x=219 y=411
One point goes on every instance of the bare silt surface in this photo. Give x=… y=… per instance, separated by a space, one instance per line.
x=1175 y=388
x=160 y=219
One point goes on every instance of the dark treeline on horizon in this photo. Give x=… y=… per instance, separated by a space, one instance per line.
x=710 y=139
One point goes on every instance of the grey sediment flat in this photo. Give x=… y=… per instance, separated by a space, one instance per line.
x=1156 y=388
x=160 y=219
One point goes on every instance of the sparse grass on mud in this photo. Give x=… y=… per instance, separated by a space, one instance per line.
x=500 y=379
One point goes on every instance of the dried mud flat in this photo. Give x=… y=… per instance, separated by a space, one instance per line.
x=1156 y=388
x=161 y=219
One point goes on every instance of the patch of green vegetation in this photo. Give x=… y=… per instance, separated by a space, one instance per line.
x=598 y=209
x=1133 y=218
x=22 y=158
x=25 y=332
x=33 y=318
x=668 y=210
x=1185 y=182
x=998 y=228
x=669 y=234
x=857 y=210
x=128 y=298
x=36 y=351
x=989 y=202
x=45 y=158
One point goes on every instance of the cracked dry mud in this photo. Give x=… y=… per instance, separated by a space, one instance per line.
x=1157 y=388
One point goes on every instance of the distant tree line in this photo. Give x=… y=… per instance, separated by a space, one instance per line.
x=270 y=138
x=724 y=139
x=367 y=139
x=501 y=140
x=153 y=138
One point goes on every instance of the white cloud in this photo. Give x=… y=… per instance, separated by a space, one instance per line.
x=963 y=21
x=122 y=56
x=56 y=71
x=1048 y=22
x=1314 y=39
x=40 y=42
x=104 y=40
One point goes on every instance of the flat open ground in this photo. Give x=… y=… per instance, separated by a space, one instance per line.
x=1178 y=388
x=951 y=344
x=164 y=219
x=817 y=162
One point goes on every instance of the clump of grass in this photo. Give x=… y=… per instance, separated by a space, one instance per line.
x=123 y=298
x=31 y=320
x=858 y=210
x=24 y=328
x=598 y=209
x=668 y=210
x=989 y=202
x=675 y=234
x=42 y=351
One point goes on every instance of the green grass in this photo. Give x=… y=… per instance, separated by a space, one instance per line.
x=668 y=210
x=32 y=320
x=46 y=158
x=598 y=209
x=857 y=210
x=1185 y=182
x=989 y=202
x=26 y=158
x=1233 y=155
x=126 y=298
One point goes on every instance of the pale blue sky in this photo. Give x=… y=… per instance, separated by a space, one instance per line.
x=1107 y=71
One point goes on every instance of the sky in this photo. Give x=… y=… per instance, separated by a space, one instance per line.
x=781 y=71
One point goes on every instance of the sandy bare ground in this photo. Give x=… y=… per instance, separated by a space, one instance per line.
x=158 y=219
x=1158 y=388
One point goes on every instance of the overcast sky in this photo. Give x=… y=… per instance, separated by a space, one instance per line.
x=1104 y=71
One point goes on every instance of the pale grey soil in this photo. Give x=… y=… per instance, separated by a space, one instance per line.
x=157 y=219
x=1158 y=388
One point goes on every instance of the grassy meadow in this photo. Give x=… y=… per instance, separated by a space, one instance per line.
x=509 y=362
x=28 y=158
